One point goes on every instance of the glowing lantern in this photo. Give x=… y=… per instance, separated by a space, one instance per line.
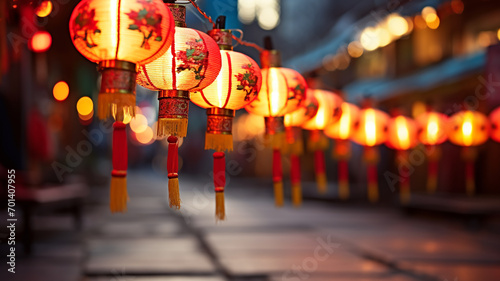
x=342 y=131
x=40 y=42
x=469 y=129
x=402 y=135
x=44 y=9
x=370 y=131
x=294 y=143
x=329 y=111
x=191 y=64
x=236 y=86
x=433 y=130
x=283 y=91
x=495 y=124
x=119 y=35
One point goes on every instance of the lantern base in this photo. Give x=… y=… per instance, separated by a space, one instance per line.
x=219 y=128
x=173 y=113
x=219 y=142
x=220 y=208
x=172 y=126
x=118 y=196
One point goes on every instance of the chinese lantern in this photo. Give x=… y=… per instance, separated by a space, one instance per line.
x=283 y=91
x=294 y=143
x=191 y=64
x=402 y=135
x=370 y=131
x=342 y=131
x=329 y=111
x=433 y=130
x=469 y=129
x=236 y=85
x=119 y=36
x=495 y=124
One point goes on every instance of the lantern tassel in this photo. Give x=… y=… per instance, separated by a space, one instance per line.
x=433 y=154
x=172 y=126
x=372 y=183
x=469 y=154
x=295 y=179
x=343 y=176
x=404 y=185
x=118 y=188
x=115 y=104
x=277 y=178
x=174 y=199
x=319 y=166
x=219 y=183
x=219 y=142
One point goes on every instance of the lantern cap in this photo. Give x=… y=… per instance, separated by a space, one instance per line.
x=178 y=12
x=223 y=37
x=270 y=57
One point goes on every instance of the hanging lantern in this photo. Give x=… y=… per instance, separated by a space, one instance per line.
x=295 y=145
x=283 y=91
x=191 y=64
x=433 y=130
x=370 y=131
x=236 y=86
x=495 y=124
x=342 y=131
x=329 y=111
x=402 y=135
x=119 y=35
x=469 y=129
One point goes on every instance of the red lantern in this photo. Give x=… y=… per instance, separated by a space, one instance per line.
x=191 y=64
x=371 y=130
x=342 y=131
x=469 y=129
x=119 y=35
x=495 y=124
x=433 y=130
x=402 y=135
x=283 y=91
x=329 y=111
x=294 y=143
x=236 y=86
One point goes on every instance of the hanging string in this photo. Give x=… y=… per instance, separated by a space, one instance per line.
x=238 y=39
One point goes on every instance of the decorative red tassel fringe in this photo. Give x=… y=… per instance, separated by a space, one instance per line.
x=174 y=200
x=295 y=179
x=277 y=178
x=118 y=189
x=219 y=183
x=319 y=167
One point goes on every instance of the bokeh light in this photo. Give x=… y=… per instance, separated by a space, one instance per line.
x=434 y=24
x=355 y=49
x=60 y=90
x=397 y=25
x=44 y=9
x=369 y=39
x=146 y=136
x=85 y=106
x=40 y=42
x=457 y=6
x=139 y=123
x=268 y=18
x=384 y=37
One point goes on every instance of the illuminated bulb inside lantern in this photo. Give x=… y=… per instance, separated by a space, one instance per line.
x=274 y=92
x=432 y=129
x=402 y=130
x=344 y=122
x=467 y=128
x=370 y=127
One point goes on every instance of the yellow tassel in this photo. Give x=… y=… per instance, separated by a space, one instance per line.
x=295 y=148
x=344 y=190
x=321 y=182
x=172 y=126
x=372 y=192
x=174 y=199
x=118 y=196
x=220 y=208
x=278 y=194
x=115 y=104
x=219 y=142
x=321 y=144
x=296 y=194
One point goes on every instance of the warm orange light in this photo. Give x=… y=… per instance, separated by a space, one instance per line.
x=420 y=22
x=402 y=133
x=428 y=13
x=469 y=128
x=86 y=117
x=145 y=137
x=329 y=110
x=60 y=91
x=139 y=123
x=344 y=128
x=44 y=9
x=397 y=25
x=433 y=21
x=433 y=128
x=495 y=124
x=40 y=42
x=305 y=113
x=355 y=49
x=457 y=6
x=371 y=128
x=85 y=106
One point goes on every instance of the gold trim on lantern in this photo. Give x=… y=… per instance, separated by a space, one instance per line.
x=274 y=125
x=173 y=113
x=223 y=37
x=270 y=58
x=179 y=13
x=219 y=129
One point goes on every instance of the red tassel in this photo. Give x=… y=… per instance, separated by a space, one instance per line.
x=174 y=199
x=219 y=183
x=118 y=189
x=343 y=177
x=319 y=167
x=277 y=178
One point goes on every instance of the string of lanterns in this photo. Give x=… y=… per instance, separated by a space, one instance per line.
x=147 y=42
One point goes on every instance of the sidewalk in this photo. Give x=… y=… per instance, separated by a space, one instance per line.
x=320 y=241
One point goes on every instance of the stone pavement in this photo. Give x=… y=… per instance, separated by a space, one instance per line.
x=318 y=242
